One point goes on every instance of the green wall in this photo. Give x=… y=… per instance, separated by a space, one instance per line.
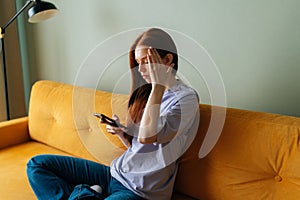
x=254 y=44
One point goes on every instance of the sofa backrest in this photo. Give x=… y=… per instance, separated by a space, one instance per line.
x=61 y=116
x=256 y=157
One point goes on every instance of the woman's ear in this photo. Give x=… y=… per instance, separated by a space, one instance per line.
x=168 y=59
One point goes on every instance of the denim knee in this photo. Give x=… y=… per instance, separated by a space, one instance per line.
x=34 y=163
x=41 y=179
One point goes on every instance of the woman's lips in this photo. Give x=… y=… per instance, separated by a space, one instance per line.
x=145 y=76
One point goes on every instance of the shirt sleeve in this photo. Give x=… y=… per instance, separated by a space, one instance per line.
x=179 y=118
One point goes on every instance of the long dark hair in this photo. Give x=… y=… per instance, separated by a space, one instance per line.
x=140 y=89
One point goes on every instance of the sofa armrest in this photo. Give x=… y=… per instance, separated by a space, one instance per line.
x=14 y=132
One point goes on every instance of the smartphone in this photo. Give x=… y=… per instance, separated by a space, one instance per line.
x=108 y=120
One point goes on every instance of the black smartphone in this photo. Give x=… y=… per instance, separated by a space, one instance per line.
x=108 y=120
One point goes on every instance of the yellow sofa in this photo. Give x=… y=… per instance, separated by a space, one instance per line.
x=256 y=157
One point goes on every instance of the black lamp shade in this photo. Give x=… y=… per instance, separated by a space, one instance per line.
x=41 y=11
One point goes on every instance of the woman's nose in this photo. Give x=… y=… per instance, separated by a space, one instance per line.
x=142 y=68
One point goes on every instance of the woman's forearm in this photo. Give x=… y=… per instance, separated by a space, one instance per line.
x=148 y=125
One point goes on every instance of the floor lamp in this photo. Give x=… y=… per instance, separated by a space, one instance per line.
x=39 y=11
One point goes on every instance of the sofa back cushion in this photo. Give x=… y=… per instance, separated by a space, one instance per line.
x=61 y=116
x=256 y=157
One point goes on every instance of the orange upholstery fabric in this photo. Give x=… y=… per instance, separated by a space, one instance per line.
x=256 y=157
x=13 y=132
x=13 y=169
x=62 y=116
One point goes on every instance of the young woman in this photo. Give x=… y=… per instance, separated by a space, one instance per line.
x=161 y=124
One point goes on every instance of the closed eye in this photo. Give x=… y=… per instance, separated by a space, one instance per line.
x=142 y=61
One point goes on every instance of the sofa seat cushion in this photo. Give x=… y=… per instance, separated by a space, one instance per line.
x=13 y=169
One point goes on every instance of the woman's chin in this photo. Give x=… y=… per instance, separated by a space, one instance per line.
x=147 y=79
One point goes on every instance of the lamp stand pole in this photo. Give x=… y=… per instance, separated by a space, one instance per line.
x=5 y=76
x=2 y=34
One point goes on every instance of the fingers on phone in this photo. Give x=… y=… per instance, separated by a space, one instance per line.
x=113 y=130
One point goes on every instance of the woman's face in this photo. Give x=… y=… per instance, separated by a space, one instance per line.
x=141 y=58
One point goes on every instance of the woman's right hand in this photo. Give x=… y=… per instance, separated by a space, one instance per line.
x=121 y=131
x=113 y=129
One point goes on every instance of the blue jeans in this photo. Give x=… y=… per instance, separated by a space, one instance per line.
x=61 y=177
